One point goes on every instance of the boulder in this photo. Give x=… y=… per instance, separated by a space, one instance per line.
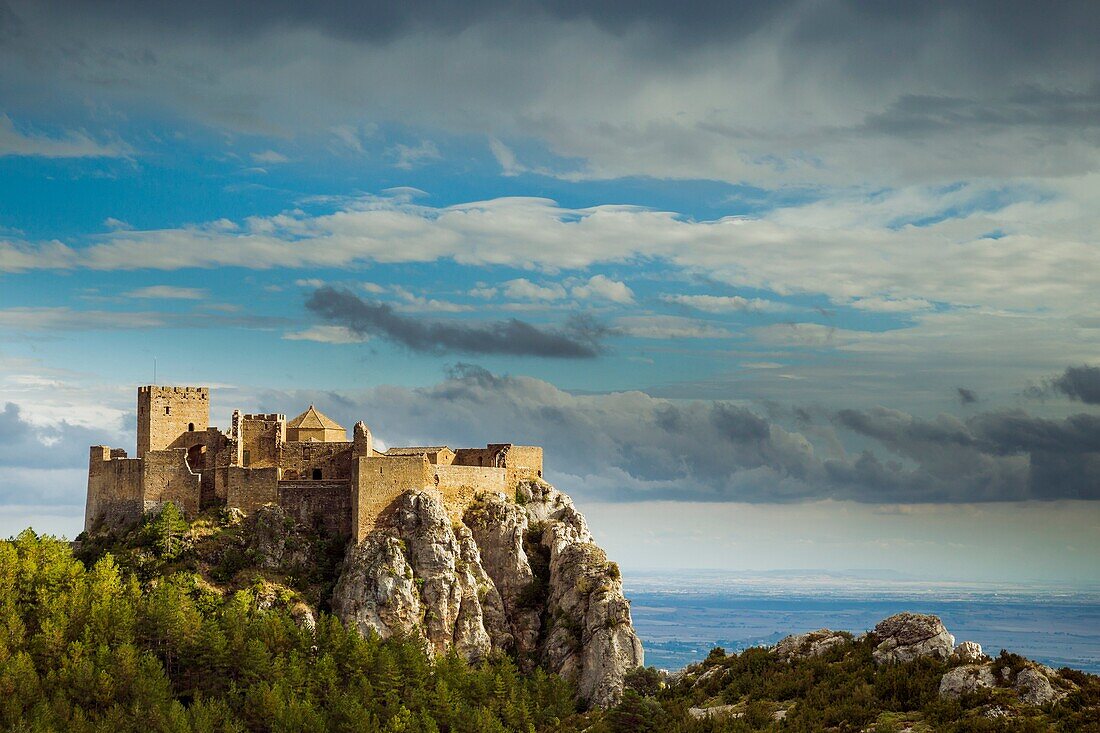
x=969 y=652
x=908 y=636
x=811 y=644
x=1034 y=687
x=965 y=679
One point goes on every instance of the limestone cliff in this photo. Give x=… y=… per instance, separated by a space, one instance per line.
x=517 y=575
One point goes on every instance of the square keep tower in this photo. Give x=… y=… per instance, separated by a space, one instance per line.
x=167 y=414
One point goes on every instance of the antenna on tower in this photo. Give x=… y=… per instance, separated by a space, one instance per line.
x=154 y=371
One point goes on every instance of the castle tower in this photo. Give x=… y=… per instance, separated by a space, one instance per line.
x=313 y=425
x=166 y=414
x=363 y=440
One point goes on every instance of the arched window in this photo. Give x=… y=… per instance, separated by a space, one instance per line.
x=316 y=474
x=190 y=427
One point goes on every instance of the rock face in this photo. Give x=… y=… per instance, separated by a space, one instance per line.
x=968 y=678
x=908 y=636
x=1034 y=688
x=812 y=644
x=522 y=577
x=969 y=652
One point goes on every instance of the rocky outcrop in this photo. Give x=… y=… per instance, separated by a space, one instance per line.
x=418 y=574
x=519 y=575
x=966 y=679
x=1034 y=684
x=969 y=652
x=908 y=636
x=1034 y=687
x=811 y=644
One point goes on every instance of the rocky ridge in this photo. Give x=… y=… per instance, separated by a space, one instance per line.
x=1005 y=683
x=517 y=575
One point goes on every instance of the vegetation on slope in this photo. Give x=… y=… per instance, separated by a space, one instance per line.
x=841 y=690
x=177 y=626
x=100 y=649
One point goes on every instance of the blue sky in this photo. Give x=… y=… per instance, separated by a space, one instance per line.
x=802 y=264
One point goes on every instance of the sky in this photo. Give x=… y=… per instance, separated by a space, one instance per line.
x=796 y=284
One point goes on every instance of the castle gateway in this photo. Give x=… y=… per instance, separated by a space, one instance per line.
x=305 y=465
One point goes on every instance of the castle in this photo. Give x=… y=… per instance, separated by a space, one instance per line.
x=305 y=465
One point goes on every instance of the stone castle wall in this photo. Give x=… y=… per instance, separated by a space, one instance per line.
x=114 y=489
x=166 y=477
x=300 y=460
x=459 y=485
x=248 y=489
x=258 y=439
x=379 y=480
x=326 y=505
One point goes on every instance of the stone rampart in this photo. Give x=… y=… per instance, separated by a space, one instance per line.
x=248 y=489
x=323 y=504
x=459 y=485
x=114 y=489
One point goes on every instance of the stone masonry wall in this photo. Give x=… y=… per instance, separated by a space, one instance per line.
x=165 y=413
x=165 y=477
x=248 y=489
x=114 y=489
x=327 y=504
x=380 y=480
x=299 y=460
x=260 y=437
x=523 y=461
x=459 y=485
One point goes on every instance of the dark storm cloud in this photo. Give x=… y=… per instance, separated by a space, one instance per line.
x=992 y=456
x=630 y=446
x=966 y=396
x=1031 y=27
x=580 y=339
x=1079 y=383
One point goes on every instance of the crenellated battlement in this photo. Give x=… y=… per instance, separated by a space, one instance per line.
x=306 y=464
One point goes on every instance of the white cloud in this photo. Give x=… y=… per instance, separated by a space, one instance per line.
x=1045 y=255
x=891 y=305
x=326 y=335
x=411 y=156
x=269 y=157
x=602 y=287
x=71 y=144
x=167 y=292
x=670 y=327
x=724 y=303
x=524 y=289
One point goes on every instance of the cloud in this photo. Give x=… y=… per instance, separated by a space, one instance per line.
x=670 y=327
x=724 y=303
x=71 y=144
x=601 y=287
x=167 y=292
x=31 y=319
x=326 y=335
x=966 y=396
x=409 y=157
x=992 y=456
x=891 y=305
x=524 y=289
x=26 y=445
x=269 y=157
x=630 y=446
x=1080 y=383
x=848 y=250
x=580 y=339
x=840 y=90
